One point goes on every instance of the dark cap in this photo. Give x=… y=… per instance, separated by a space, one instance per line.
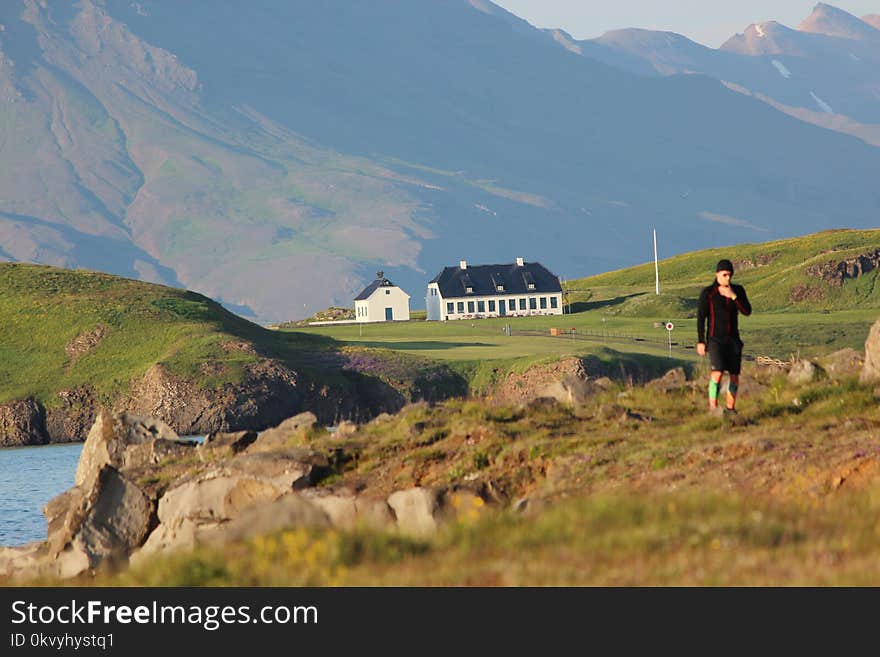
x=724 y=265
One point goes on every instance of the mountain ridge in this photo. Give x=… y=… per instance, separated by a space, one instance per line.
x=249 y=173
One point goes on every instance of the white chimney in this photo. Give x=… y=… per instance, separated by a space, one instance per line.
x=519 y=262
x=463 y=264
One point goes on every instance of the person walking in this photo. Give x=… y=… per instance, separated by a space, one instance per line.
x=719 y=306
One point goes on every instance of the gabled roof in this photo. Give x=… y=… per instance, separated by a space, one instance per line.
x=375 y=285
x=485 y=279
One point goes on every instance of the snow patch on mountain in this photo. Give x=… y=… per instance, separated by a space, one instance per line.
x=825 y=107
x=783 y=71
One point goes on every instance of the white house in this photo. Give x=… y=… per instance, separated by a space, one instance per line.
x=381 y=301
x=473 y=292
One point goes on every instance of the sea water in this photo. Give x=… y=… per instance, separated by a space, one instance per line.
x=30 y=477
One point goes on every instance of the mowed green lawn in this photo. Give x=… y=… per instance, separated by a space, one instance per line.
x=778 y=335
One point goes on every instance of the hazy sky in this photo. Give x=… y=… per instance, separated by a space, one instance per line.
x=708 y=22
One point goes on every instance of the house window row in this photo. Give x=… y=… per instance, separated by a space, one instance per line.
x=532 y=303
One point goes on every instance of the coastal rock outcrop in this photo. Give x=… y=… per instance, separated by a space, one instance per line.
x=140 y=491
x=22 y=422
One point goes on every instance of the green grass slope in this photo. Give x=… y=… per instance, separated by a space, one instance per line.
x=779 y=276
x=63 y=329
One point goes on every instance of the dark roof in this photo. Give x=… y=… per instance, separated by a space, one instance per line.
x=484 y=279
x=372 y=287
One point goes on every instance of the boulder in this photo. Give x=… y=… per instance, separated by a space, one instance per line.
x=803 y=371
x=842 y=363
x=291 y=510
x=571 y=389
x=295 y=467
x=345 y=510
x=114 y=440
x=168 y=537
x=227 y=443
x=416 y=510
x=871 y=369
x=22 y=561
x=156 y=451
x=672 y=380
x=285 y=433
x=341 y=510
x=22 y=422
x=104 y=519
x=215 y=497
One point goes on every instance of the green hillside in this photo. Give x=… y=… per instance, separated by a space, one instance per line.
x=780 y=276
x=64 y=329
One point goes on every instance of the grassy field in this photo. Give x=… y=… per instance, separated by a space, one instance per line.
x=620 y=310
x=774 y=334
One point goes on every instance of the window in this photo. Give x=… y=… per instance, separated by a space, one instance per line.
x=481 y=306
x=554 y=302
x=543 y=303
x=500 y=288
x=491 y=306
x=461 y=307
x=387 y=291
x=533 y=303
x=522 y=304
x=450 y=308
x=531 y=286
x=470 y=306
x=469 y=290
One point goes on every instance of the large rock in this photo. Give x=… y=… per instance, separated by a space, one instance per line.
x=673 y=379
x=345 y=510
x=22 y=422
x=842 y=363
x=104 y=519
x=291 y=510
x=183 y=535
x=226 y=443
x=571 y=389
x=803 y=371
x=416 y=510
x=114 y=439
x=222 y=493
x=285 y=433
x=871 y=369
x=22 y=561
x=215 y=497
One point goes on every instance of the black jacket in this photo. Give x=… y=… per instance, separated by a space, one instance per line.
x=721 y=313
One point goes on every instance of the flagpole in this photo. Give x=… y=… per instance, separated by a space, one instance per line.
x=656 y=268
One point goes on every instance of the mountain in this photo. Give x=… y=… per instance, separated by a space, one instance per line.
x=834 y=22
x=274 y=156
x=825 y=72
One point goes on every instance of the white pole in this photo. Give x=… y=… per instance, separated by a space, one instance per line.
x=656 y=268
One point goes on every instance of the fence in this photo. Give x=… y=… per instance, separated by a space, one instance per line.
x=619 y=337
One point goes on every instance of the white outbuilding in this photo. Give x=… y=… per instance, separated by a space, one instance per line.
x=381 y=301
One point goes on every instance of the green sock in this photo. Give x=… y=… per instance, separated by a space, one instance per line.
x=713 y=389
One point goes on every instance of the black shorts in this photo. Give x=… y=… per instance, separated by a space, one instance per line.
x=725 y=356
